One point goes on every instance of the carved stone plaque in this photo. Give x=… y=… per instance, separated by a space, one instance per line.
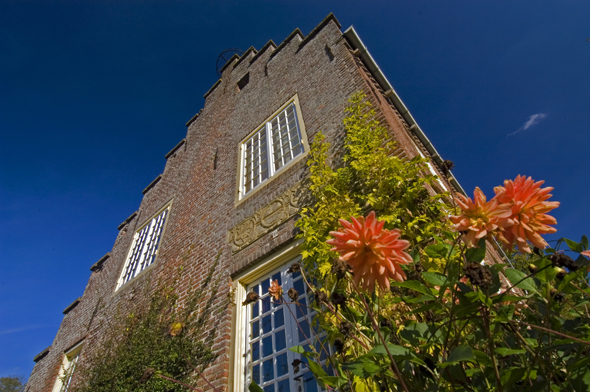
x=264 y=220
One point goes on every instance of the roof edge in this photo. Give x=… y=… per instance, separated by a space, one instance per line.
x=355 y=41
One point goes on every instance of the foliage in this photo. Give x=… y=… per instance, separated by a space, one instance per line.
x=372 y=177
x=158 y=346
x=457 y=323
x=12 y=384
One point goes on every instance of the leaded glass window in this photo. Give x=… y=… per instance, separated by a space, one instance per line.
x=272 y=330
x=278 y=141
x=144 y=248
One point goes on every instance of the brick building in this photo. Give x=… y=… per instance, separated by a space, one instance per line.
x=232 y=185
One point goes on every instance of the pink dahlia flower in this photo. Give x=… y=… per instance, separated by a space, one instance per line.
x=374 y=253
x=529 y=209
x=480 y=217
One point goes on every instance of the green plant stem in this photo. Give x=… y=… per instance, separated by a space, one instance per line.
x=486 y=323
x=523 y=279
x=200 y=374
x=553 y=332
x=180 y=383
x=372 y=317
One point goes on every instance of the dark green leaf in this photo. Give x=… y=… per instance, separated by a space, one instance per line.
x=332 y=381
x=515 y=276
x=437 y=251
x=476 y=255
x=584 y=242
x=395 y=350
x=461 y=353
x=505 y=313
x=512 y=375
x=482 y=358
x=546 y=271
x=573 y=245
x=316 y=369
x=253 y=387
x=434 y=277
x=414 y=285
x=297 y=349
x=503 y=351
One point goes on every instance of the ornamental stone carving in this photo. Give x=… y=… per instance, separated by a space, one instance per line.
x=264 y=220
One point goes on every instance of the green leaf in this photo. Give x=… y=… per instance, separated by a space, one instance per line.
x=316 y=369
x=505 y=313
x=253 y=387
x=436 y=251
x=482 y=358
x=546 y=271
x=476 y=255
x=434 y=277
x=503 y=351
x=415 y=253
x=514 y=276
x=460 y=354
x=297 y=349
x=512 y=375
x=584 y=242
x=395 y=350
x=414 y=285
x=330 y=380
x=573 y=245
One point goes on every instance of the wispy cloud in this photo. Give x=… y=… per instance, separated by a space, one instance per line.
x=20 y=329
x=533 y=120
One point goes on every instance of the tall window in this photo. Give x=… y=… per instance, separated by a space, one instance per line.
x=275 y=326
x=144 y=248
x=272 y=146
x=66 y=371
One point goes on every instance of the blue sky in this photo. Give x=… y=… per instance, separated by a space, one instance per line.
x=93 y=94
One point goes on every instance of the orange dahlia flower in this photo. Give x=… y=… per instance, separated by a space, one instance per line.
x=374 y=253
x=480 y=217
x=528 y=205
x=275 y=290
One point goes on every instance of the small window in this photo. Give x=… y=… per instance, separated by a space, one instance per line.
x=67 y=369
x=144 y=248
x=272 y=327
x=244 y=81
x=270 y=148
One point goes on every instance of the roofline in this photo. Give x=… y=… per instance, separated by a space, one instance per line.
x=353 y=38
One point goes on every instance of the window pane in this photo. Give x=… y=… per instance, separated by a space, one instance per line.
x=255 y=329
x=255 y=351
x=279 y=318
x=282 y=366
x=280 y=340
x=284 y=386
x=302 y=307
x=303 y=331
x=256 y=374
x=267 y=346
x=299 y=286
x=266 y=325
x=267 y=370
x=255 y=308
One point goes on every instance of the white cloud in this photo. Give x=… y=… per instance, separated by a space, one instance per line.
x=533 y=120
x=20 y=329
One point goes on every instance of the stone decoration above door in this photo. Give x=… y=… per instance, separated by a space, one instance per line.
x=264 y=220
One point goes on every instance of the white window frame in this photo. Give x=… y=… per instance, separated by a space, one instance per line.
x=147 y=244
x=239 y=353
x=67 y=368
x=265 y=126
